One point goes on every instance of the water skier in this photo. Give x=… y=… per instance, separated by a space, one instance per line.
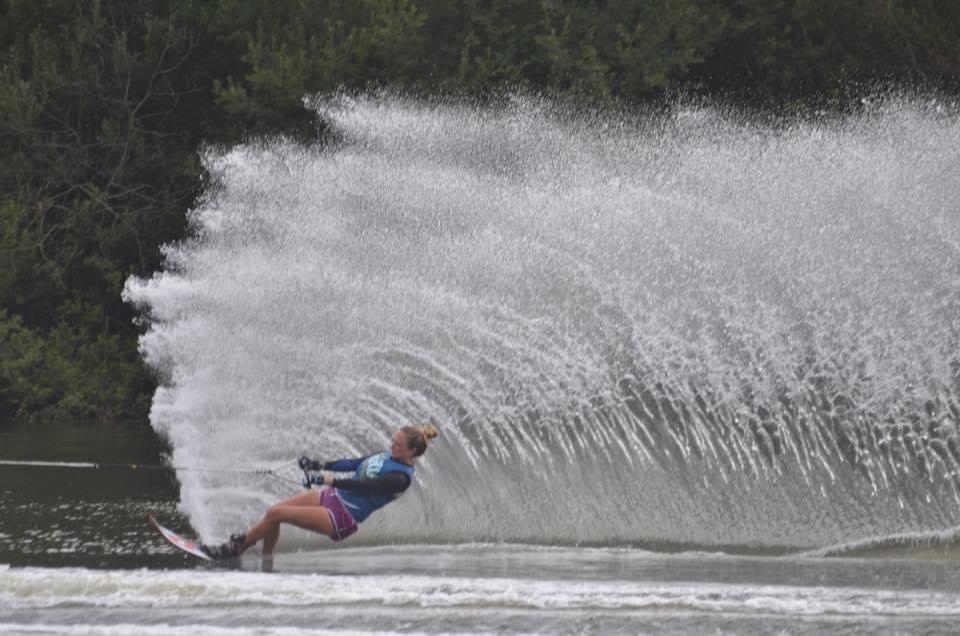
x=342 y=503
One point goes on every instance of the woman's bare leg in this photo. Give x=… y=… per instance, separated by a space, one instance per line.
x=303 y=510
x=270 y=539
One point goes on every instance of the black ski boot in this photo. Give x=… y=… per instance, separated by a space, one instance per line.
x=229 y=550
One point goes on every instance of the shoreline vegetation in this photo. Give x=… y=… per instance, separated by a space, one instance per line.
x=105 y=105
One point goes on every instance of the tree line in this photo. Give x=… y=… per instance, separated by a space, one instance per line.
x=104 y=104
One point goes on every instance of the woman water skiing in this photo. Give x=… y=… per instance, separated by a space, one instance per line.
x=342 y=503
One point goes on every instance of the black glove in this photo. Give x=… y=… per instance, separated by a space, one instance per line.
x=309 y=480
x=305 y=463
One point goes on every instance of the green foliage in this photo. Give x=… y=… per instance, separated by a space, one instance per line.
x=659 y=43
x=494 y=43
x=96 y=178
x=564 y=53
x=781 y=50
x=70 y=375
x=104 y=103
x=290 y=48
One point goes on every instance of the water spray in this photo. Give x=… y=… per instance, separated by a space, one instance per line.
x=695 y=326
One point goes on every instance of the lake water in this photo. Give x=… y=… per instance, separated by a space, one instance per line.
x=78 y=557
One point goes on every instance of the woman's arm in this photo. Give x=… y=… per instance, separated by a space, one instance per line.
x=389 y=483
x=343 y=465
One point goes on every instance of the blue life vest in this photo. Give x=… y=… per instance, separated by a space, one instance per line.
x=360 y=506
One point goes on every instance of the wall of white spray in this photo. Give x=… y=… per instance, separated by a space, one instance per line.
x=685 y=327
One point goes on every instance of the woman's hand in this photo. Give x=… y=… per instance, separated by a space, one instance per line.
x=305 y=463
x=322 y=479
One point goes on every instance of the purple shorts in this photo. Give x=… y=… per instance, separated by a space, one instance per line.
x=343 y=523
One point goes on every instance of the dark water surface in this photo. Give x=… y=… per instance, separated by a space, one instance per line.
x=77 y=557
x=84 y=517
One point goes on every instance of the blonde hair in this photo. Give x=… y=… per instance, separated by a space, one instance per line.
x=419 y=437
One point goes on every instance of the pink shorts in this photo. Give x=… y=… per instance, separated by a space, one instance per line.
x=343 y=523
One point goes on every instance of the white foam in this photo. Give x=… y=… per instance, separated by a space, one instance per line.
x=39 y=590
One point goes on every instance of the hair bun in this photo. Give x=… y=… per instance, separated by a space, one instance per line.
x=429 y=432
